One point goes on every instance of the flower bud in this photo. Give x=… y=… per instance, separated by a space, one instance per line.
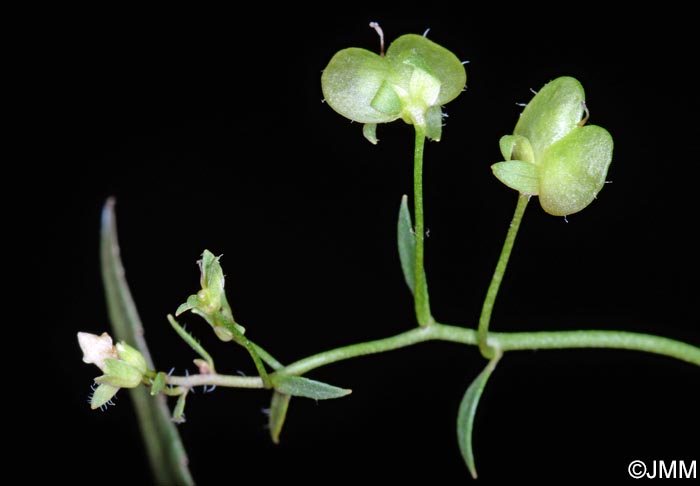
x=120 y=374
x=210 y=301
x=131 y=356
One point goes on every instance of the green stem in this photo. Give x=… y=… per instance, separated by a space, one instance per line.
x=267 y=357
x=249 y=346
x=487 y=308
x=233 y=381
x=516 y=341
x=252 y=351
x=505 y=342
x=422 y=301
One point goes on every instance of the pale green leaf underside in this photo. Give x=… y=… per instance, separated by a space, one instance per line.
x=163 y=445
x=407 y=244
x=278 y=413
x=467 y=411
x=299 y=386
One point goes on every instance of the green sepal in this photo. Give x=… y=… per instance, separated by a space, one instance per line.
x=518 y=175
x=467 y=411
x=278 y=413
x=210 y=301
x=386 y=100
x=406 y=238
x=191 y=303
x=369 y=130
x=102 y=395
x=516 y=147
x=158 y=383
x=120 y=374
x=131 y=356
x=211 y=273
x=299 y=386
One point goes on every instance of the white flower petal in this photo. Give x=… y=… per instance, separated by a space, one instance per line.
x=96 y=348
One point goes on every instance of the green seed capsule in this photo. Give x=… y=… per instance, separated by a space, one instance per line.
x=412 y=82
x=551 y=155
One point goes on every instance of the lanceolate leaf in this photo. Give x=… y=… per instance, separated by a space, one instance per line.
x=299 y=386
x=163 y=445
x=407 y=244
x=467 y=411
x=278 y=413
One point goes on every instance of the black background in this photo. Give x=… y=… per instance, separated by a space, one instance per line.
x=208 y=128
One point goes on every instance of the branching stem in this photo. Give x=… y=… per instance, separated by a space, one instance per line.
x=517 y=341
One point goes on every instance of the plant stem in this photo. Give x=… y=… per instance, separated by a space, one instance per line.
x=266 y=357
x=233 y=381
x=252 y=351
x=506 y=342
x=487 y=308
x=516 y=341
x=422 y=302
x=161 y=439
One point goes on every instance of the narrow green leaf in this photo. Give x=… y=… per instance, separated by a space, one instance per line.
x=164 y=448
x=467 y=411
x=278 y=413
x=179 y=410
x=193 y=343
x=407 y=244
x=299 y=386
